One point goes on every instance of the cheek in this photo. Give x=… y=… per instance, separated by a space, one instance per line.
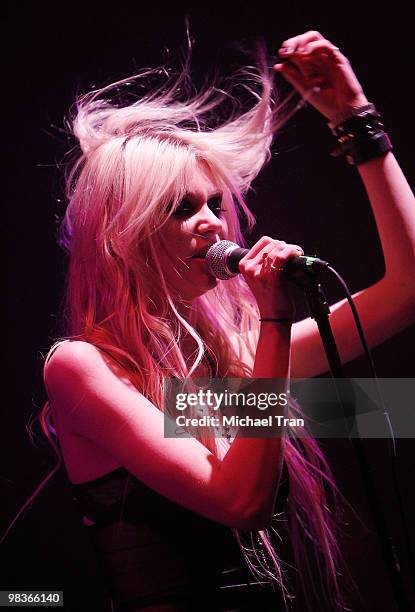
x=177 y=242
x=171 y=237
x=173 y=251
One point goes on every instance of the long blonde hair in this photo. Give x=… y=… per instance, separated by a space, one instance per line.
x=132 y=169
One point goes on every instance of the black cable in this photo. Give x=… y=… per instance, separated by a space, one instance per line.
x=395 y=478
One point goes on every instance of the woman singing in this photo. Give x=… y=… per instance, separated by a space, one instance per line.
x=189 y=523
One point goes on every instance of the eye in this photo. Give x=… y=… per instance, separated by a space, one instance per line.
x=215 y=205
x=184 y=209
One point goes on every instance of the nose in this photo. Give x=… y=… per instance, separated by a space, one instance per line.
x=207 y=221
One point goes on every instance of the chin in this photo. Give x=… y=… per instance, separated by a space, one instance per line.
x=199 y=289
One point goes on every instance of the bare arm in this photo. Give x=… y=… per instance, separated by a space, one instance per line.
x=387 y=306
x=261 y=458
x=97 y=403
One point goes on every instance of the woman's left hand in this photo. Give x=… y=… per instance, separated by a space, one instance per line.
x=321 y=74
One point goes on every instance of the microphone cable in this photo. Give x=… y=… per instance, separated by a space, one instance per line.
x=392 y=446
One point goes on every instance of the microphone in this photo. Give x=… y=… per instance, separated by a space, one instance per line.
x=224 y=256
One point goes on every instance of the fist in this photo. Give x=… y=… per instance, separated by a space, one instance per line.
x=321 y=74
x=262 y=269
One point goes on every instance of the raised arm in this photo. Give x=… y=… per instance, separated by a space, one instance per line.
x=324 y=76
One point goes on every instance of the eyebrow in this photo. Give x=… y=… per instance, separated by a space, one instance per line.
x=196 y=196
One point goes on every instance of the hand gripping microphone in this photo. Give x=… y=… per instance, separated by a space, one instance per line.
x=224 y=256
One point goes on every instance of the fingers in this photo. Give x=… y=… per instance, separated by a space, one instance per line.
x=269 y=255
x=259 y=246
x=297 y=43
x=262 y=269
x=278 y=257
x=302 y=54
x=322 y=75
x=324 y=47
x=314 y=50
x=294 y=76
x=299 y=49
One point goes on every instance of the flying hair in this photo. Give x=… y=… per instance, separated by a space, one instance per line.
x=131 y=167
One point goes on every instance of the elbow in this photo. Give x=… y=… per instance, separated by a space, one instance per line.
x=411 y=304
x=253 y=515
x=252 y=521
x=401 y=292
x=407 y=289
x=391 y=308
x=260 y=521
x=406 y=307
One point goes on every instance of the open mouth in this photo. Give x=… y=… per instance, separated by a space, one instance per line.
x=201 y=254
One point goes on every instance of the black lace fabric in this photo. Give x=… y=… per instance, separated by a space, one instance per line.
x=157 y=554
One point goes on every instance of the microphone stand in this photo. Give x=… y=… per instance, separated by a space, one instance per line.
x=320 y=311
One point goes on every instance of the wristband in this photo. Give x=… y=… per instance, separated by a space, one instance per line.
x=361 y=136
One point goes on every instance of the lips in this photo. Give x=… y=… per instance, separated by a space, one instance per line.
x=201 y=253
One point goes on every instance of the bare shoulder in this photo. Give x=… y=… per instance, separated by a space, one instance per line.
x=79 y=362
x=105 y=409
x=88 y=390
x=81 y=380
x=75 y=354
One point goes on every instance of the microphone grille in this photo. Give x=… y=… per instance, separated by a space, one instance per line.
x=216 y=259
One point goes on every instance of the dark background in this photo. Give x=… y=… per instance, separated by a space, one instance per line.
x=303 y=196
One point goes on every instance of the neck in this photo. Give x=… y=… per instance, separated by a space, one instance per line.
x=185 y=307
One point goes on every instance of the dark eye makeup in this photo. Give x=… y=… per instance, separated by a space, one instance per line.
x=187 y=207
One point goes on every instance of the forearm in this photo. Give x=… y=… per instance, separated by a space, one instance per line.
x=393 y=205
x=251 y=469
x=272 y=358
